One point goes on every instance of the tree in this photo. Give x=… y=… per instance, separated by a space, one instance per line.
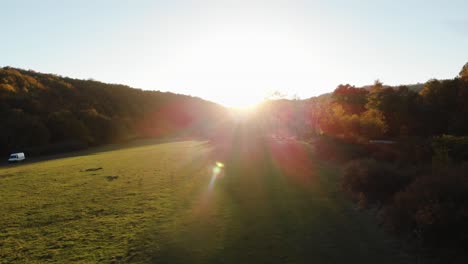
x=352 y=99
x=65 y=127
x=464 y=72
x=440 y=106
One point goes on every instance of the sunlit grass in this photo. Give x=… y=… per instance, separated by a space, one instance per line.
x=179 y=203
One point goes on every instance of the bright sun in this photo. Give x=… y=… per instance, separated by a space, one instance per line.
x=238 y=65
x=245 y=103
x=243 y=113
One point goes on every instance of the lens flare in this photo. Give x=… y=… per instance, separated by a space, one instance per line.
x=216 y=171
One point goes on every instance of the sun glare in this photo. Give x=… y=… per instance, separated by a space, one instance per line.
x=240 y=101
x=245 y=107
x=243 y=112
x=239 y=65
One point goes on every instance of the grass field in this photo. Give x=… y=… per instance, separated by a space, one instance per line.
x=263 y=202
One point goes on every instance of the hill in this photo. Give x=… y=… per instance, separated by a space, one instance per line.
x=44 y=113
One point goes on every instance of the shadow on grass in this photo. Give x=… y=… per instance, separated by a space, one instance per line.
x=257 y=211
x=259 y=200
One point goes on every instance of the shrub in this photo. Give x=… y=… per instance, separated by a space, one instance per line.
x=450 y=147
x=372 y=181
x=387 y=153
x=413 y=150
x=434 y=208
x=338 y=150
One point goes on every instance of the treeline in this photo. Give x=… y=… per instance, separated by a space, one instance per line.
x=45 y=113
x=358 y=114
x=405 y=154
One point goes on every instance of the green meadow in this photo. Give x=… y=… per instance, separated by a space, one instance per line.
x=246 y=201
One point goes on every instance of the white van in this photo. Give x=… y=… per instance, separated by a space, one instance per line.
x=17 y=157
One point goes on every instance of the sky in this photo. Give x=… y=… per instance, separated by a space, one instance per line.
x=237 y=53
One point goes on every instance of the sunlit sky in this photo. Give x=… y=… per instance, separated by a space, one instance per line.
x=237 y=52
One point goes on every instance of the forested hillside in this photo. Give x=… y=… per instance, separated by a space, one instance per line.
x=388 y=112
x=45 y=113
x=359 y=114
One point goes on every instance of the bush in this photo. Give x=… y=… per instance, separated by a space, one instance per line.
x=414 y=150
x=338 y=150
x=450 y=148
x=434 y=208
x=373 y=182
x=383 y=152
